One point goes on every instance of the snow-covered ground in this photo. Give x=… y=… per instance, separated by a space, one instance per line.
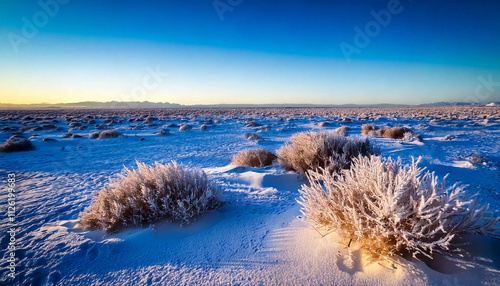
x=258 y=237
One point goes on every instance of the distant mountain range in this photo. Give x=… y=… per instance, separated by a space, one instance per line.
x=93 y=105
x=147 y=104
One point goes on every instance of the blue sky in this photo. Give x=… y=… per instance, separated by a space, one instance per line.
x=251 y=52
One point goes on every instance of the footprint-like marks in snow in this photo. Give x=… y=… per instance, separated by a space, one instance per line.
x=93 y=252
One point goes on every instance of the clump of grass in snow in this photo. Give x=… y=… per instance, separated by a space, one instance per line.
x=94 y=135
x=395 y=132
x=253 y=137
x=312 y=150
x=403 y=133
x=367 y=128
x=387 y=207
x=342 y=130
x=16 y=144
x=150 y=193
x=254 y=158
x=185 y=127
x=109 y=134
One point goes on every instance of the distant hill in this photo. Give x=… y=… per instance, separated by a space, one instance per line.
x=448 y=104
x=94 y=105
x=292 y=105
x=147 y=104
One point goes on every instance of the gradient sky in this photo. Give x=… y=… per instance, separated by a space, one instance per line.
x=257 y=52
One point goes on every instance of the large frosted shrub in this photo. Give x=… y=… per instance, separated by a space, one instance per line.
x=311 y=150
x=150 y=193
x=387 y=207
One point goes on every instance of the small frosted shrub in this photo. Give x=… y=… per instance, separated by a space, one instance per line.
x=311 y=150
x=342 y=130
x=403 y=133
x=94 y=135
x=254 y=158
x=367 y=128
x=48 y=140
x=324 y=124
x=411 y=136
x=253 y=124
x=387 y=207
x=395 y=132
x=109 y=134
x=185 y=127
x=16 y=144
x=476 y=159
x=151 y=193
x=49 y=127
x=163 y=131
x=253 y=137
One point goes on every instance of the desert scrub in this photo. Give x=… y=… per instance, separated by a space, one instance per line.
x=369 y=130
x=396 y=132
x=16 y=143
x=253 y=137
x=312 y=150
x=387 y=207
x=403 y=133
x=94 y=135
x=258 y=157
x=151 y=193
x=185 y=127
x=342 y=130
x=109 y=134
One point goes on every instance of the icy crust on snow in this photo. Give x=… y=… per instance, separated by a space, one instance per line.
x=256 y=238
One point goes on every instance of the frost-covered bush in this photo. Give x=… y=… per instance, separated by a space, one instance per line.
x=395 y=132
x=16 y=143
x=404 y=133
x=311 y=150
x=387 y=207
x=163 y=131
x=411 y=136
x=109 y=134
x=253 y=124
x=94 y=135
x=185 y=127
x=150 y=193
x=342 y=130
x=367 y=128
x=324 y=124
x=258 y=157
x=253 y=137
